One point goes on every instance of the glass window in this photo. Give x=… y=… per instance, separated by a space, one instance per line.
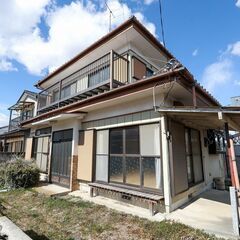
x=132 y=140
x=102 y=168
x=149 y=72
x=150 y=140
x=189 y=157
x=196 y=155
x=66 y=91
x=116 y=141
x=133 y=170
x=99 y=76
x=116 y=169
x=55 y=96
x=151 y=172
x=121 y=161
x=82 y=83
x=102 y=142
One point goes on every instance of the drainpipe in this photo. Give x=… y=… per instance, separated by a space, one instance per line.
x=229 y=154
x=234 y=165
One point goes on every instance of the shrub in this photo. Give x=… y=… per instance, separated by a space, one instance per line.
x=18 y=174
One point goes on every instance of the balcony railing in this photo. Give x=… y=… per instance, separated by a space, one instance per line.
x=108 y=72
x=3 y=130
x=14 y=123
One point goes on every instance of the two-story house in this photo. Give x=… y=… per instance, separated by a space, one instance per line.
x=125 y=117
x=13 y=137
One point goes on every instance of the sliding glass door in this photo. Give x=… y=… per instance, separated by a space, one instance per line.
x=130 y=156
x=125 y=156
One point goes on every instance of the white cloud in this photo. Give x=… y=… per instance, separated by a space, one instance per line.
x=195 y=52
x=148 y=2
x=4 y=120
x=6 y=66
x=234 y=49
x=238 y=3
x=70 y=28
x=217 y=74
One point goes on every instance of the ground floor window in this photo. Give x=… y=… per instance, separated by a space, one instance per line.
x=130 y=156
x=40 y=148
x=40 y=152
x=194 y=156
x=14 y=147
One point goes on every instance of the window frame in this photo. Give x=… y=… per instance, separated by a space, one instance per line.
x=140 y=187
x=194 y=182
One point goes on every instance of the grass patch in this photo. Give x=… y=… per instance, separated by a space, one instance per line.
x=45 y=218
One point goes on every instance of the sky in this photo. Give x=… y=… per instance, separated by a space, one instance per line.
x=38 y=36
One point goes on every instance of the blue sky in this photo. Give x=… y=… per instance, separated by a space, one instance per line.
x=38 y=36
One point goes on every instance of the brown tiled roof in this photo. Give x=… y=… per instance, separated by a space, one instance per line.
x=130 y=22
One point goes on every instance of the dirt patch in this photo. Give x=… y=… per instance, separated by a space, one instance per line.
x=45 y=218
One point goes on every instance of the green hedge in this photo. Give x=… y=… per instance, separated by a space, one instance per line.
x=18 y=174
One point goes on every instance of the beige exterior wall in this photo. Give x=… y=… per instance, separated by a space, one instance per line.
x=28 y=148
x=85 y=157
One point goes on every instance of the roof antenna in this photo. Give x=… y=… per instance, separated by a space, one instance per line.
x=161 y=17
x=110 y=16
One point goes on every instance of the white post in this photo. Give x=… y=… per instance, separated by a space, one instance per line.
x=166 y=165
x=235 y=212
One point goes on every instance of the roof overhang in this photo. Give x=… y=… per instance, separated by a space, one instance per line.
x=21 y=105
x=54 y=119
x=205 y=118
x=131 y=31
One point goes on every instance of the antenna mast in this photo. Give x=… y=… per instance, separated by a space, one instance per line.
x=162 y=27
x=110 y=16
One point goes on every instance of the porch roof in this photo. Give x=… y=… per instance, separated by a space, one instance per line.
x=205 y=117
x=21 y=105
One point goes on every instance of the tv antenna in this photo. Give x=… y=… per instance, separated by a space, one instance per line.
x=110 y=16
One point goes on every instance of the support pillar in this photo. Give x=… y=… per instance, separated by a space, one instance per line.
x=166 y=165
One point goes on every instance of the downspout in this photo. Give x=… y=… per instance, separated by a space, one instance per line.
x=230 y=155
x=234 y=165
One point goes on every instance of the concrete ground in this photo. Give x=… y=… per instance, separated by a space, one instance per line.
x=118 y=205
x=51 y=189
x=11 y=230
x=211 y=211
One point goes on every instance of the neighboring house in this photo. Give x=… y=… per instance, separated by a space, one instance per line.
x=125 y=117
x=13 y=137
x=235 y=101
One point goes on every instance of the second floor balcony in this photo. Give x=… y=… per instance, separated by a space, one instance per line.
x=106 y=73
x=20 y=112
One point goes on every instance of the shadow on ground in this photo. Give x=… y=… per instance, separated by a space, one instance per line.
x=35 y=236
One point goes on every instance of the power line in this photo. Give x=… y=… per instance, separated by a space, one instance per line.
x=161 y=17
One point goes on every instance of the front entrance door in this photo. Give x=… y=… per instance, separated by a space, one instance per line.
x=61 y=157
